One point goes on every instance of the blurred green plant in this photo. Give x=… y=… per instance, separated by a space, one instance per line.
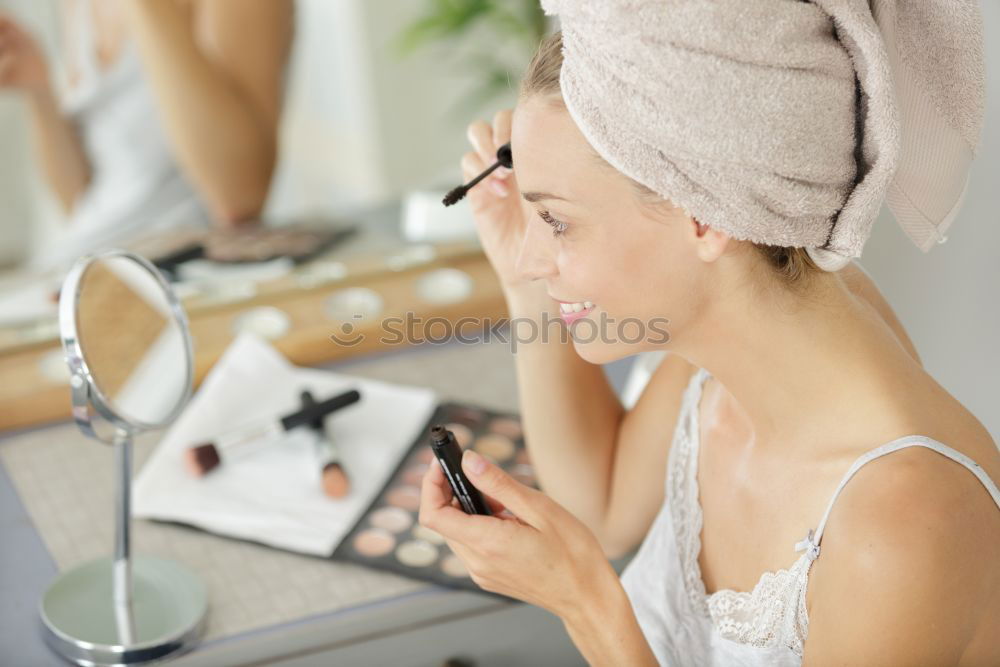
x=460 y=22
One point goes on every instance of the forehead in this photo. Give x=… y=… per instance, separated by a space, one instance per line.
x=552 y=155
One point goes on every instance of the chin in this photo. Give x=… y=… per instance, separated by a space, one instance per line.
x=601 y=353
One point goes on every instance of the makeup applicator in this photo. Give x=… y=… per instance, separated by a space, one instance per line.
x=207 y=456
x=335 y=482
x=504 y=159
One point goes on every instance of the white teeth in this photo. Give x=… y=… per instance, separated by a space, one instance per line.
x=575 y=307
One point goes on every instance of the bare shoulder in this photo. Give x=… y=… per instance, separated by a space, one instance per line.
x=908 y=570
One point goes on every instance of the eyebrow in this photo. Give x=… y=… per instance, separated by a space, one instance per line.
x=539 y=196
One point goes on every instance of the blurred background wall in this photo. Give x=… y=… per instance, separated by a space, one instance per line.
x=364 y=124
x=949 y=299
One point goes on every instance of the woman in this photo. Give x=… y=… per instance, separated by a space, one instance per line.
x=809 y=444
x=169 y=114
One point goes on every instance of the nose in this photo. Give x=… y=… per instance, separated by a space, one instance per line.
x=535 y=260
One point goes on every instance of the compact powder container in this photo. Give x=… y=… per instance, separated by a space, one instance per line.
x=444 y=286
x=405 y=497
x=318 y=273
x=496 y=447
x=453 y=566
x=268 y=322
x=411 y=256
x=463 y=434
x=416 y=553
x=354 y=303
x=392 y=519
x=373 y=542
x=388 y=536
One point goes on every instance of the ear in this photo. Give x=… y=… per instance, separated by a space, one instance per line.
x=709 y=243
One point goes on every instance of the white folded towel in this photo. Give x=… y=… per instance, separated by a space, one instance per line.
x=274 y=496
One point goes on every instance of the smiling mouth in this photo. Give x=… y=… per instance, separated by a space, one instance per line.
x=572 y=311
x=575 y=307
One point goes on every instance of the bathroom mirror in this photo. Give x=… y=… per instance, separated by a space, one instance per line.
x=126 y=341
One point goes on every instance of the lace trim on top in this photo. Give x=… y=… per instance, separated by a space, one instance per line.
x=774 y=612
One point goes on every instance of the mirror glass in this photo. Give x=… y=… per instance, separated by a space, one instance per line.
x=133 y=343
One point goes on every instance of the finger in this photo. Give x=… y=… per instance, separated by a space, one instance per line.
x=438 y=513
x=436 y=498
x=523 y=501
x=498 y=187
x=501 y=135
x=481 y=137
x=495 y=505
x=434 y=488
x=472 y=165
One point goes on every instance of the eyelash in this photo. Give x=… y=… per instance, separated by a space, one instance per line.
x=558 y=227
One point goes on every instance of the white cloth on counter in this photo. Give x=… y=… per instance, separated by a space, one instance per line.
x=273 y=496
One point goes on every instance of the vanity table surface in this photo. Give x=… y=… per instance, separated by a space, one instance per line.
x=267 y=607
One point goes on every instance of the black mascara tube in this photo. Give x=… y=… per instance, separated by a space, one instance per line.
x=449 y=455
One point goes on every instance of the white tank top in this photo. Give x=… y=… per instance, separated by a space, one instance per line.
x=136 y=185
x=766 y=626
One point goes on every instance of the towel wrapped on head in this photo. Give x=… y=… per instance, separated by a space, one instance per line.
x=783 y=122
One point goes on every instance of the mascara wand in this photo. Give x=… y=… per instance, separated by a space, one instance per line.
x=504 y=159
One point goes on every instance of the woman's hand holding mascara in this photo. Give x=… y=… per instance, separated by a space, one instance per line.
x=531 y=548
x=496 y=202
x=534 y=550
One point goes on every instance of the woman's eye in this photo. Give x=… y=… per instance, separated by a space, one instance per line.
x=557 y=226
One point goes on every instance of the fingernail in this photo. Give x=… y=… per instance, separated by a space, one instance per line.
x=473 y=462
x=504 y=172
x=499 y=188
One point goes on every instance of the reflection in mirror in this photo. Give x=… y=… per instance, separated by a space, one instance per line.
x=132 y=344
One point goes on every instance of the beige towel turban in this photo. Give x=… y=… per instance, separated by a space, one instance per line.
x=784 y=122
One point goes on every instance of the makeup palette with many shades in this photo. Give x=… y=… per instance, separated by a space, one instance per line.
x=388 y=535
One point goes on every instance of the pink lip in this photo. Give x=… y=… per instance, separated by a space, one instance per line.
x=569 y=318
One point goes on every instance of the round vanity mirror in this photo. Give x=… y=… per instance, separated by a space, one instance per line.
x=127 y=344
x=126 y=341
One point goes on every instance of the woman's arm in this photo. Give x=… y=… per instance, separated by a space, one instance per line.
x=23 y=67
x=907 y=566
x=605 y=630
x=63 y=160
x=218 y=88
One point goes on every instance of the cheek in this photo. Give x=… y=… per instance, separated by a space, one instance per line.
x=642 y=282
x=582 y=269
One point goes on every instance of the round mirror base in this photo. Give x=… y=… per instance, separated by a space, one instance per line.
x=81 y=624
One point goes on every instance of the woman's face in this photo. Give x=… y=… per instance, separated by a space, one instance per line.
x=591 y=238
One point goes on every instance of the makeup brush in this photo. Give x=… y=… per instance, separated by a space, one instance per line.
x=207 y=456
x=504 y=159
x=332 y=474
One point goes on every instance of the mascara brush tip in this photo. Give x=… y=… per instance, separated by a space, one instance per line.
x=454 y=196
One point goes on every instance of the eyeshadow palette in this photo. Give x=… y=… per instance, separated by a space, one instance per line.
x=388 y=536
